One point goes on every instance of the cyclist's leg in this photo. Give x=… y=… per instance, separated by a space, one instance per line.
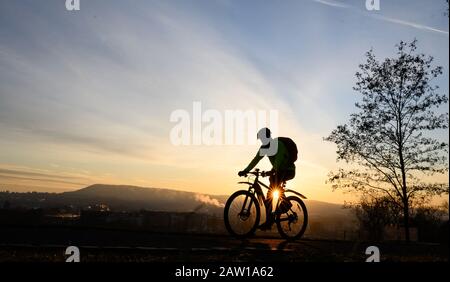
x=274 y=182
x=285 y=176
x=290 y=174
x=270 y=217
x=273 y=179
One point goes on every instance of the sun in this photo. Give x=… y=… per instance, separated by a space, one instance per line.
x=275 y=195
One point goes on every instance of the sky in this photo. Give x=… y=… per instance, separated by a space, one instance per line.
x=86 y=96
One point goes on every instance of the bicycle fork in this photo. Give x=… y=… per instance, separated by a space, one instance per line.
x=245 y=211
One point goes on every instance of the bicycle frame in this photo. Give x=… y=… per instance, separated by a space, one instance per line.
x=281 y=211
x=256 y=188
x=256 y=185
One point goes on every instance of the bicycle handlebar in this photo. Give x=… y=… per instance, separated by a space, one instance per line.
x=259 y=173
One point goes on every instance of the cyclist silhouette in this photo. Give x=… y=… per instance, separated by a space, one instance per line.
x=282 y=153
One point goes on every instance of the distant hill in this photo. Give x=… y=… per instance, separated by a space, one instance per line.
x=136 y=198
x=126 y=197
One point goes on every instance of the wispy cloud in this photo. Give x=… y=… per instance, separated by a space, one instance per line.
x=332 y=3
x=383 y=18
x=45 y=180
x=16 y=174
x=409 y=24
x=23 y=173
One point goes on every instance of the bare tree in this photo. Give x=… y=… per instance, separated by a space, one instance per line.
x=373 y=214
x=387 y=141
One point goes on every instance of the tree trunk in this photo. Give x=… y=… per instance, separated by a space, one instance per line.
x=406 y=219
x=405 y=199
x=403 y=171
x=405 y=195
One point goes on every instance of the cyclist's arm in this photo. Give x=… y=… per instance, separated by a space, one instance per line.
x=254 y=162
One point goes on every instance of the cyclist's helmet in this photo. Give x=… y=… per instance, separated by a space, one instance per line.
x=263 y=133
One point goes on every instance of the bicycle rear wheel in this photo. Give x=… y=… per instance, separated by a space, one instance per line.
x=292 y=224
x=242 y=214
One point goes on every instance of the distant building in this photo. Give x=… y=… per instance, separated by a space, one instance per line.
x=159 y=221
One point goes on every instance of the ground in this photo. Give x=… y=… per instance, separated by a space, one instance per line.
x=110 y=245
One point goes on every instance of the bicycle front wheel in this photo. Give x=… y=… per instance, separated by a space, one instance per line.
x=242 y=214
x=292 y=224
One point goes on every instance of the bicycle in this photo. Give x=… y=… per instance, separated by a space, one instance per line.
x=244 y=206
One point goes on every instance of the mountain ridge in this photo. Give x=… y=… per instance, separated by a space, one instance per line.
x=132 y=198
x=129 y=192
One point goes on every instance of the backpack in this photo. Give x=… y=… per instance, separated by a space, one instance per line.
x=291 y=147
